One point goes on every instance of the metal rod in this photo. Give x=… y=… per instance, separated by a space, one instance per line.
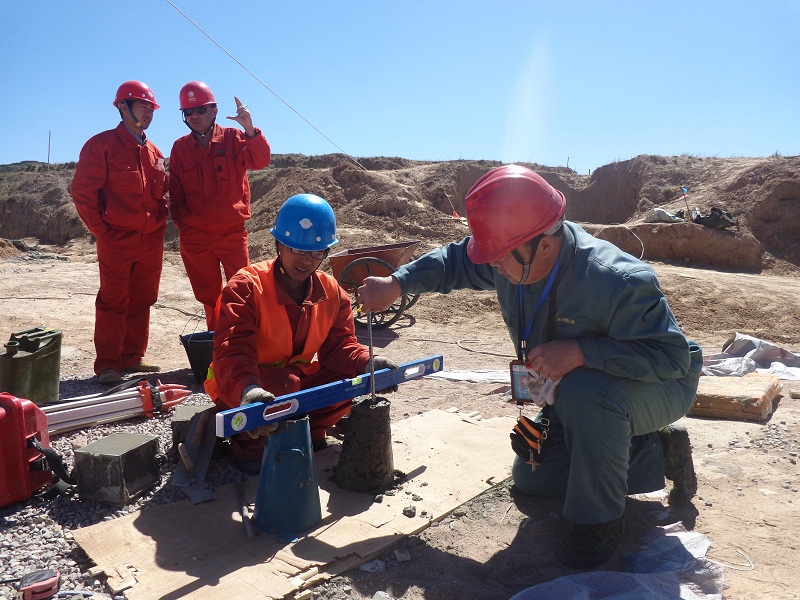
x=371 y=358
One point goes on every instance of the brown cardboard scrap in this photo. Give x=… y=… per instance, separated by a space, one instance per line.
x=746 y=398
x=200 y=551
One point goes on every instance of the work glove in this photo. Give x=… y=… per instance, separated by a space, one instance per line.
x=541 y=389
x=251 y=395
x=381 y=362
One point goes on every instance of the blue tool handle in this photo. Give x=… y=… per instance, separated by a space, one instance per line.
x=251 y=416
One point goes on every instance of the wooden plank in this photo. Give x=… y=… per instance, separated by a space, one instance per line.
x=201 y=551
x=747 y=398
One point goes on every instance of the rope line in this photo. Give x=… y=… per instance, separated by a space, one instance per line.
x=641 y=243
x=750 y=566
x=459 y=343
x=270 y=90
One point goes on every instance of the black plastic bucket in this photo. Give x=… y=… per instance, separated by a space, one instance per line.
x=200 y=350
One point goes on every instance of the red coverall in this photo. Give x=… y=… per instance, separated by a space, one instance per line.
x=119 y=191
x=209 y=197
x=252 y=346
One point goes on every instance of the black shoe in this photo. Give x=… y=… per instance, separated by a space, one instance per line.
x=109 y=377
x=585 y=546
x=678 y=464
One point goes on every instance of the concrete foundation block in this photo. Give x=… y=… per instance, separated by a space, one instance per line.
x=117 y=469
x=181 y=419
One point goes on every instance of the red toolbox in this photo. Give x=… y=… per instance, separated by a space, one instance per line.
x=23 y=469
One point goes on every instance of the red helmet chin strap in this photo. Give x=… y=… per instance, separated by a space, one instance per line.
x=130 y=112
x=526 y=265
x=202 y=135
x=526 y=269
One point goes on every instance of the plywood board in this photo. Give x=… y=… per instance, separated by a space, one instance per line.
x=746 y=398
x=200 y=551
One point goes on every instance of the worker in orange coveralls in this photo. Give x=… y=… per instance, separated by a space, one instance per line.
x=119 y=191
x=284 y=326
x=209 y=192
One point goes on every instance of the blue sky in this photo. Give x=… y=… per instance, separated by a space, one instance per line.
x=579 y=84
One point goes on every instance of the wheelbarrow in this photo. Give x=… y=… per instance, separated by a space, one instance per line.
x=351 y=267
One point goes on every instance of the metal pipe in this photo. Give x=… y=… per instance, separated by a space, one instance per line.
x=89 y=401
x=96 y=410
x=88 y=421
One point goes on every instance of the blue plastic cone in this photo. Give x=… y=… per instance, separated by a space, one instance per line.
x=287 y=501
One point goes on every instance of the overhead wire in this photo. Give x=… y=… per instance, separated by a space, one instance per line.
x=350 y=157
x=315 y=128
x=264 y=85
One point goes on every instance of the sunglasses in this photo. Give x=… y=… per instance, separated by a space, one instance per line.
x=315 y=254
x=200 y=110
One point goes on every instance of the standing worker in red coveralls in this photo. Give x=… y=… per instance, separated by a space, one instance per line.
x=119 y=191
x=209 y=192
x=285 y=326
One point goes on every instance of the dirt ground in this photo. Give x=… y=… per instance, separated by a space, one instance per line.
x=718 y=282
x=499 y=544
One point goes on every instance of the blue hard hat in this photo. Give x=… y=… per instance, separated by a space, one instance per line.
x=305 y=222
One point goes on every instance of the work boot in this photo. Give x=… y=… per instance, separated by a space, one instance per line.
x=585 y=546
x=141 y=367
x=678 y=464
x=109 y=377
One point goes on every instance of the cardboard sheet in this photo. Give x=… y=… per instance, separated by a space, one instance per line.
x=201 y=551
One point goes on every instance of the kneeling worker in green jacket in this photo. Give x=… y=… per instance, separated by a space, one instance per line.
x=591 y=323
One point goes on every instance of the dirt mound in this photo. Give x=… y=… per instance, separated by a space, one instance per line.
x=762 y=193
x=38 y=205
x=383 y=200
x=686 y=243
x=8 y=249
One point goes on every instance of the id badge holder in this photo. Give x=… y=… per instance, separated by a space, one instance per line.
x=520 y=377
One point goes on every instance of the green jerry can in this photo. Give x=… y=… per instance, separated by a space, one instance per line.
x=30 y=366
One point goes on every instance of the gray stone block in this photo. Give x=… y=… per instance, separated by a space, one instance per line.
x=181 y=419
x=117 y=469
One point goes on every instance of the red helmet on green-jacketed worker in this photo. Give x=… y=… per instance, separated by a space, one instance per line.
x=508 y=206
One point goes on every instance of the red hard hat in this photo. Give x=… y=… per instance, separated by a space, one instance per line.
x=506 y=207
x=135 y=90
x=195 y=93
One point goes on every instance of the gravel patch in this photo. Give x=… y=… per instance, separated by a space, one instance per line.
x=37 y=534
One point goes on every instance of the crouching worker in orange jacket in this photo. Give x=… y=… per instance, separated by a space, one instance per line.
x=119 y=190
x=209 y=193
x=284 y=326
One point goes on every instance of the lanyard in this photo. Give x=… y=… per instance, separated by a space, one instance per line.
x=523 y=334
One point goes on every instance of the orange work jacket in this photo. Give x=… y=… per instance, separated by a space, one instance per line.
x=208 y=189
x=274 y=337
x=120 y=184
